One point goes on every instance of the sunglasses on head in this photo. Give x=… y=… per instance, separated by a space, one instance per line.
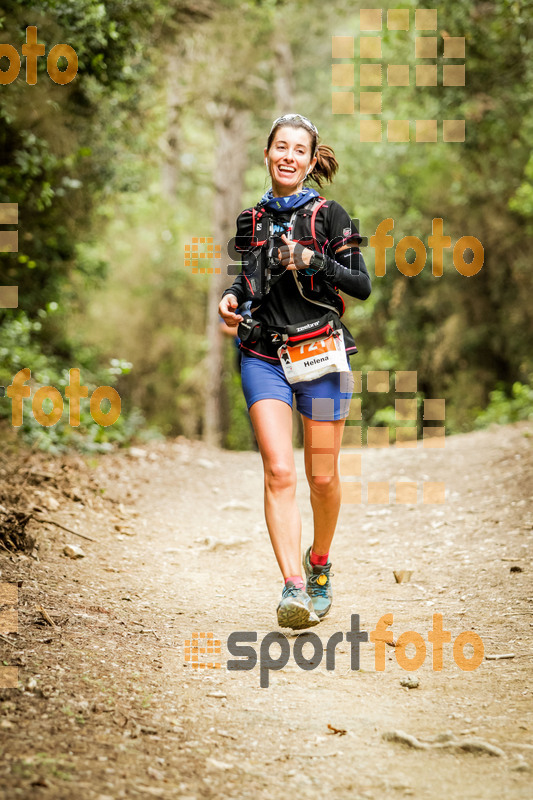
x=306 y=122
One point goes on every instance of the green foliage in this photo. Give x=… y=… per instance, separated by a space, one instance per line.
x=148 y=307
x=522 y=200
x=462 y=335
x=504 y=409
x=20 y=349
x=63 y=149
x=59 y=143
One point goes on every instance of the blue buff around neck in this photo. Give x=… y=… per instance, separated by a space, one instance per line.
x=291 y=201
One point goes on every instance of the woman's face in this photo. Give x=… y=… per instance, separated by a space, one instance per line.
x=289 y=160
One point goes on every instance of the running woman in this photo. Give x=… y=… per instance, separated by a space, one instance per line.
x=318 y=254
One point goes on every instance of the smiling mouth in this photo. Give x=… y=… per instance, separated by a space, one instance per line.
x=286 y=170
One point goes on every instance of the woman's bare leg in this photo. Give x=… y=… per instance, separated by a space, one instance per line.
x=324 y=485
x=272 y=421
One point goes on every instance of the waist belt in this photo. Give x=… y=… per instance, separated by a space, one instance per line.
x=303 y=331
x=251 y=331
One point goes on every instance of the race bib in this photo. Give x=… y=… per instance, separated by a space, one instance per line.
x=314 y=358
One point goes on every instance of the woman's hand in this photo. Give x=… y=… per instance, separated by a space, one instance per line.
x=226 y=310
x=293 y=255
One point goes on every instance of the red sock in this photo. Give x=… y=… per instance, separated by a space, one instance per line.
x=297 y=580
x=318 y=560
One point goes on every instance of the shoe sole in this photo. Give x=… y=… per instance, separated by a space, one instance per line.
x=297 y=617
x=307 y=574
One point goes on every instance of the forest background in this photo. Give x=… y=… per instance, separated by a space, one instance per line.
x=158 y=140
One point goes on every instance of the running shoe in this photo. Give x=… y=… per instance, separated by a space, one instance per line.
x=318 y=585
x=295 y=609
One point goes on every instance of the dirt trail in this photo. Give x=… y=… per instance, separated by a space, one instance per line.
x=108 y=706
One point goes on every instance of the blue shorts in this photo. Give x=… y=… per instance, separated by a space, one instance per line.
x=324 y=399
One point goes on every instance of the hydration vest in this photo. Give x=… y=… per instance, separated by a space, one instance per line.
x=306 y=227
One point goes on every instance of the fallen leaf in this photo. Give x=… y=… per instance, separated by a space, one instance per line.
x=340 y=731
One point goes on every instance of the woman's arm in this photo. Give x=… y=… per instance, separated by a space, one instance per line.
x=241 y=246
x=227 y=309
x=347 y=271
x=236 y=289
x=344 y=265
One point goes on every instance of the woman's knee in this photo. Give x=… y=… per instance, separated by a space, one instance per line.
x=323 y=484
x=280 y=476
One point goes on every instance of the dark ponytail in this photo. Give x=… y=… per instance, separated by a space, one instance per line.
x=326 y=165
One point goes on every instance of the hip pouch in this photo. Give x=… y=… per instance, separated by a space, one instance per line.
x=249 y=331
x=312 y=329
x=313 y=349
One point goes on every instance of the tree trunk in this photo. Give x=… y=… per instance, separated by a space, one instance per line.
x=284 y=80
x=170 y=142
x=230 y=165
